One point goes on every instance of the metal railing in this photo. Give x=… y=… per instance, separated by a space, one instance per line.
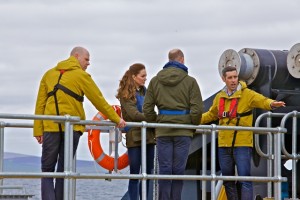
x=294 y=156
x=70 y=174
x=269 y=155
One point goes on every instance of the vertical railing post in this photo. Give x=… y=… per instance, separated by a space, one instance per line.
x=294 y=153
x=2 y=125
x=110 y=150
x=213 y=162
x=72 y=187
x=277 y=165
x=155 y=171
x=144 y=159
x=67 y=157
x=74 y=180
x=204 y=161
x=116 y=149
x=270 y=158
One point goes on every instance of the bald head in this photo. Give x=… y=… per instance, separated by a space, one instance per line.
x=176 y=55
x=82 y=55
x=78 y=50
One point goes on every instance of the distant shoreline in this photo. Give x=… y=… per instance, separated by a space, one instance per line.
x=15 y=162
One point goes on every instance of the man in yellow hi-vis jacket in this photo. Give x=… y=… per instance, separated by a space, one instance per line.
x=233 y=106
x=61 y=92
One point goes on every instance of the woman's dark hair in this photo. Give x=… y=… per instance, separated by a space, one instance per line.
x=127 y=87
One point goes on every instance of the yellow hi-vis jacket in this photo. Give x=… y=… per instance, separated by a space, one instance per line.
x=247 y=100
x=76 y=80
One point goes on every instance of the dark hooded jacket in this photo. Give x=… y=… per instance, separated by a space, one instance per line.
x=173 y=89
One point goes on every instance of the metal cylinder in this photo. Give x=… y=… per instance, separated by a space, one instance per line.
x=251 y=61
x=253 y=66
x=293 y=61
x=229 y=58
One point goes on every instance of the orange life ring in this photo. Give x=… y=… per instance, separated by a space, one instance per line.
x=96 y=150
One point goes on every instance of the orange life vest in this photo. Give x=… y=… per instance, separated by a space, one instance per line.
x=232 y=113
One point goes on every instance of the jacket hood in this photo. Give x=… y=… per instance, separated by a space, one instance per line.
x=243 y=84
x=171 y=76
x=70 y=64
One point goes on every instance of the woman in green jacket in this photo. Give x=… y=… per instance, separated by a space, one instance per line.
x=131 y=94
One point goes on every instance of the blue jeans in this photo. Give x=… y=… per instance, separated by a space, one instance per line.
x=172 y=157
x=52 y=155
x=241 y=157
x=135 y=164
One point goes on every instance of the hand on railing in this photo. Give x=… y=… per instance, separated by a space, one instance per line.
x=121 y=124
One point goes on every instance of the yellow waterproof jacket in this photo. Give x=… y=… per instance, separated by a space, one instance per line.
x=247 y=100
x=76 y=80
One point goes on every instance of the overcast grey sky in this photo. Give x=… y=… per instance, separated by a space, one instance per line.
x=35 y=35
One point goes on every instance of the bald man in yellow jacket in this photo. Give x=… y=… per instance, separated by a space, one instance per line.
x=72 y=83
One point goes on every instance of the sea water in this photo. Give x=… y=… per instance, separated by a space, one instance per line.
x=91 y=189
x=86 y=189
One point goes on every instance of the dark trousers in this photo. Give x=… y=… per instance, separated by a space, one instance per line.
x=135 y=164
x=172 y=157
x=53 y=155
x=241 y=157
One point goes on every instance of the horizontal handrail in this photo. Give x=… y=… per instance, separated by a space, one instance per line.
x=199 y=128
x=39 y=117
x=69 y=173
x=136 y=176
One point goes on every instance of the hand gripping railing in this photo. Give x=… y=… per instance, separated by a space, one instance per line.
x=294 y=156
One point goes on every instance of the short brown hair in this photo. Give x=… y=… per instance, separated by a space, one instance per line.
x=228 y=69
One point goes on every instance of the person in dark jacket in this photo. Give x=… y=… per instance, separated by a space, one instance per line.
x=178 y=99
x=131 y=94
